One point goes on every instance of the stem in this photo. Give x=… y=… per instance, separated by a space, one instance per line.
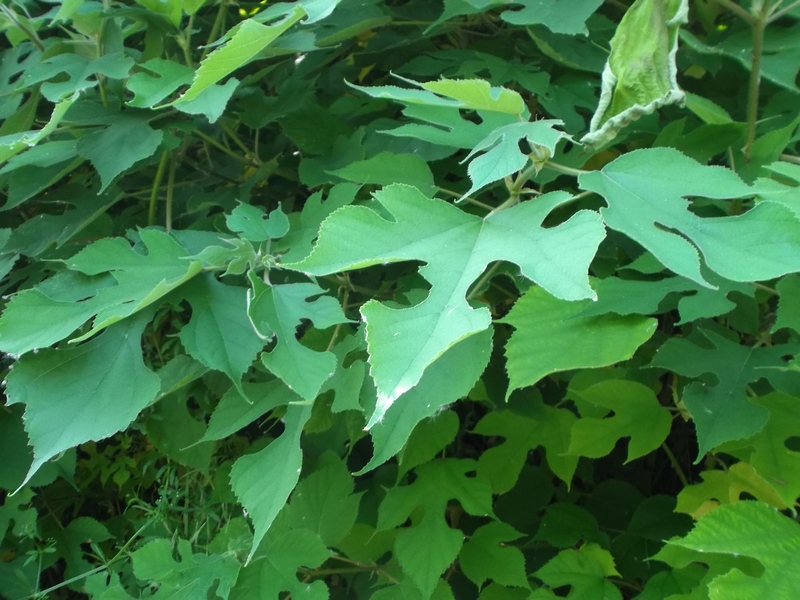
x=780 y=13
x=215 y=28
x=170 y=189
x=232 y=134
x=151 y=213
x=791 y=159
x=735 y=8
x=467 y=199
x=219 y=146
x=759 y=25
x=105 y=567
x=675 y=465
x=564 y=169
x=486 y=276
x=31 y=34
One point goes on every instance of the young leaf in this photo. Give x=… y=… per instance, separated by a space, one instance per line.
x=277 y=311
x=637 y=415
x=640 y=75
x=502 y=156
x=552 y=335
x=84 y=393
x=457 y=247
x=219 y=334
x=253 y=225
x=749 y=529
x=721 y=412
x=644 y=190
x=264 y=480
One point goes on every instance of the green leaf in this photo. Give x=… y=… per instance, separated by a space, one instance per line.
x=638 y=415
x=237 y=409
x=252 y=224
x=448 y=378
x=191 y=577
x=403 y=343
x=774 y=457
x=789 y=303
x=586 y=570
x=551 y=335
x=630 y=296
x=79 y=71
x=430 y=546
x=304 y=228
x=277 y=311
x=640 y=75
x=429 y=437
x=158 y=79
x=275 y=569
x=249 y=38
x=540 y=425
x=129 y=282
x=644 y=190
x=15 y=143
x=84 y=393
x=553 y=14
x=211 y=102
x=426 y=550
x=749 y=529
x=219 y=334
x=387 y=168
x=264 y=480
x=176 y=433
x=720 y=409
x=502 y=156
x=324 y=503
x=117 y=148
x=486 y=557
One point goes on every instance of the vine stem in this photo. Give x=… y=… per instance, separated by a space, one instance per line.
x=564 y=169
x=759 y=21
x=675 y=464
x=96 y=570
x=151 y=213
x=777 y=14
x=735 y=8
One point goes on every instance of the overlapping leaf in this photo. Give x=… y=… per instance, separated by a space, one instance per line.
x=457 y=247
x=85 y=393
x=720 y=409
x=277 y=311
x=552 y=335
x=107 y=281
x=645 y=193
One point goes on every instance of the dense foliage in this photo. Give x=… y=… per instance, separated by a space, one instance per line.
x=400 y=299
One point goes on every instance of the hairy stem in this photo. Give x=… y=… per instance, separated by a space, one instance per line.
x=759 y=26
